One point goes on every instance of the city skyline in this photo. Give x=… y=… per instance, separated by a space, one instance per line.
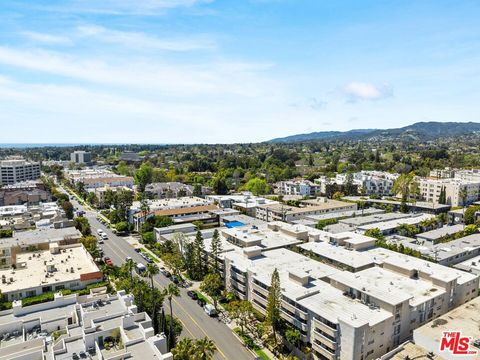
x=189 y=71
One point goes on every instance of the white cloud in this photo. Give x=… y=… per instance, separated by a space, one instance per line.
x=358 y=91
x=46 y=38
x=142 y=41
x=125 y=7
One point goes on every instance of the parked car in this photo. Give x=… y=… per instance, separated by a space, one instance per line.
x=137 y=250
x=107 y=261
x=100 y=241
x=210 y=310
x=175 y=279
x=149 y=260
x=192 y=294
x=201 y=302
x=167 y=274
x=128 y=258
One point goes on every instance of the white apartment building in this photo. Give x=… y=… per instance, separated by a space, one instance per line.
x=300 y=187
x=282 y=212
x=81 y=157
x=430 y=190
x=93 y=178
x=342 y=314
x=245 y=202
x=367 y=182
x=14 y=170
x=88 y=325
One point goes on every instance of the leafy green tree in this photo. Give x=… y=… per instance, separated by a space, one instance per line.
x=152 y=270
x=242 y=312
x=375 y=233
x=212 y=285
x=81 y=224
x=293 y=336
x=274 y=303
x=469 y=214
x=338 y=195
x=122 y=226
x=68 y=208
x=257 y=186
x=143 y=176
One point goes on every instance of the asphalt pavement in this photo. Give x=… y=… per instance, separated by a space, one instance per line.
x=196 y=323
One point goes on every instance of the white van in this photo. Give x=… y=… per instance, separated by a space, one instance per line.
x=210 y=310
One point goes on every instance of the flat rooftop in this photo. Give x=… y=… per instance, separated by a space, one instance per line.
x=392 y=224
x=435 y=271
x=413 y=352
x=345 y=214
x=333 y=204
x=389 y=286
x=440 y=232
x=331 y=304
x=465 y=318
x=33 y=237
x=375 y=218
x=339 y=254
x=32 y=268
x=470 y=265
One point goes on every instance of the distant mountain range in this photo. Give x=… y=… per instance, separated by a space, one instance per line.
x=418 y=131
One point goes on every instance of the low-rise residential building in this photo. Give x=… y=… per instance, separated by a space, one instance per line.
x=436 y=235
x=181 y=210
x=391 y=226
x=94 y=326
x=36 y=272
x=471 y=265
x=245 y=202
x=29 y=192
x=463 y=319
x=282 y=212
x=395 y=205
x=16 y=169
x=22 y=217
x=312 y=220
x=81 y=157
x=168 y=190
x=301 y=187
x=93 y=178
x=101 y=192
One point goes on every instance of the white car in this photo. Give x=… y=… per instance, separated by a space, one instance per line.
x=99 y=232
x=210 y=310
x=100 y=241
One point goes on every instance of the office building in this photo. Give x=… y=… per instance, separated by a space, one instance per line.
x=81 y=157
x=14 y=170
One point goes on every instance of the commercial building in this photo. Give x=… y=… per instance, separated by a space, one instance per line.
x=81 y=157
x=94 y=326
x=464 y=319
x=16 y=169
x=36 y=272
x=300 y=187
x=281 y=212
x=168 y=190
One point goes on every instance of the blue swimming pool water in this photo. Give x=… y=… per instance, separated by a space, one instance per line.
x=233 y=224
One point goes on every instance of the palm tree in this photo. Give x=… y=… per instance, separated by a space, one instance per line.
x=204 y=349
x=152 y=270
x=130 y=265
x=170 y=291
x=184 y=349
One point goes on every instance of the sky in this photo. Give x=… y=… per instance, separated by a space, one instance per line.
x=225 y=71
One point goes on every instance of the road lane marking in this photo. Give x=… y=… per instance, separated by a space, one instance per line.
x=177 y=303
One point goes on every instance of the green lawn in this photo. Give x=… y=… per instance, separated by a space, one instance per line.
x=201 y=296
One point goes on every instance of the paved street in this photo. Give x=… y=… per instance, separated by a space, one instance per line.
x=196 y=324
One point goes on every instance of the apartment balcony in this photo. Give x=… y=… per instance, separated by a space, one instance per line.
x=293 y=309
x=238 y=285
x=237 y=276
x=322 y=351
x=322 y=338
x=325 y=328
x=295 y=322
x=260 y=289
